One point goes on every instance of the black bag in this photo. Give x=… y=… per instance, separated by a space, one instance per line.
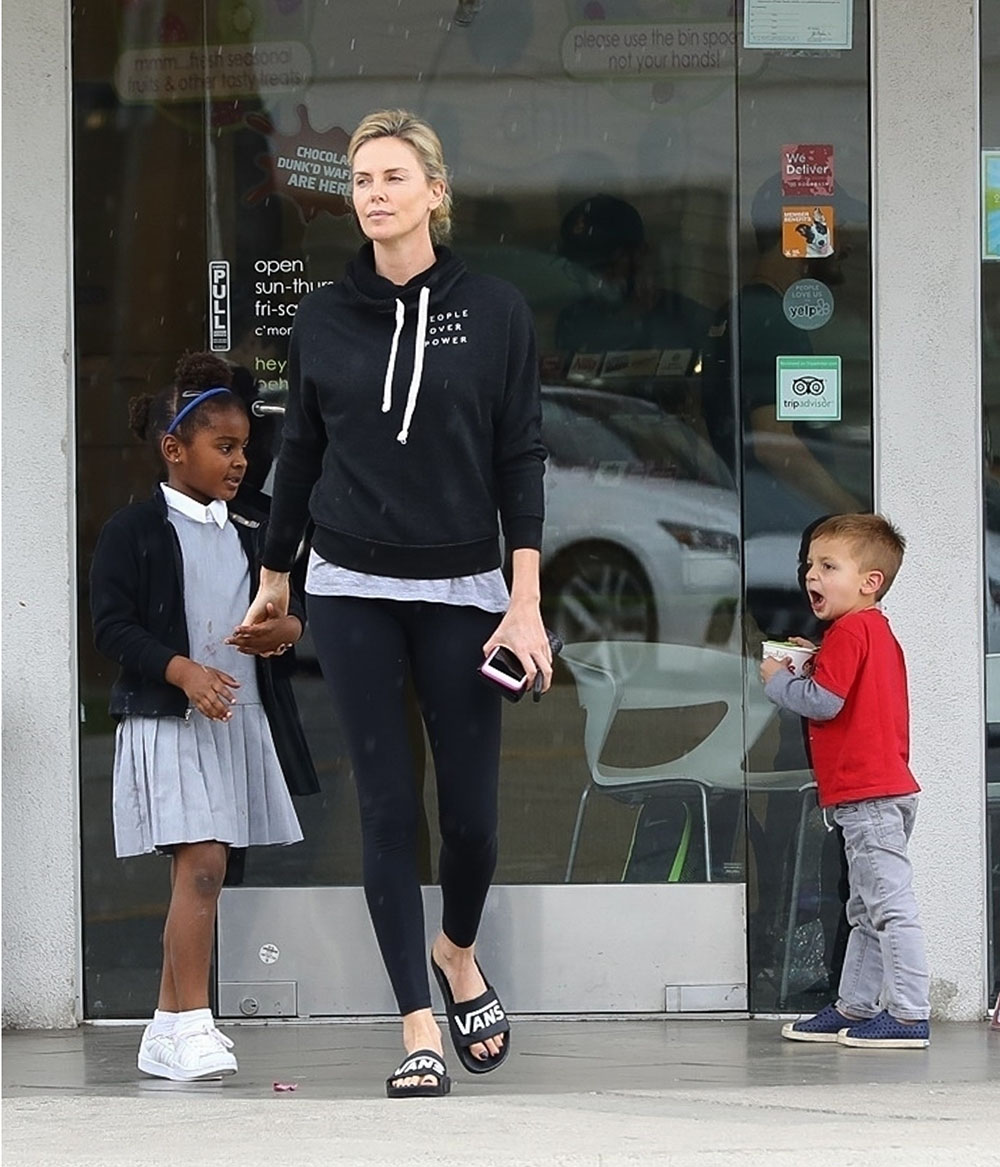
x=665 y=842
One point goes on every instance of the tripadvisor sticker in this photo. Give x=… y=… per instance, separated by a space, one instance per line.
x=808 y=304
x=807 y=389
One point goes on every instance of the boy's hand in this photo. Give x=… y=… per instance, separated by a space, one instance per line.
x=269 y=637
x=769 y=667
x=808 y=666
x=209 y=690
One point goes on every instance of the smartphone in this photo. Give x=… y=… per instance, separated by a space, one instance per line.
x=503 y=668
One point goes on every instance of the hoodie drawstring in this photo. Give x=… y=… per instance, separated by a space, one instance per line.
x=390 y=368
x=418 y=363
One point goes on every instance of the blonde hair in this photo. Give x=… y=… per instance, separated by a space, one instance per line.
x=874 y=543
x=400 y=123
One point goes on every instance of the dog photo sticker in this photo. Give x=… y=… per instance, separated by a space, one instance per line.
x=807 y=232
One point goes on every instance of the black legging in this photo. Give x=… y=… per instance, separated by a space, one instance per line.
x=365 y=649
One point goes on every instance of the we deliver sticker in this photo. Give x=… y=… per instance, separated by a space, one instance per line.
x=806 y=171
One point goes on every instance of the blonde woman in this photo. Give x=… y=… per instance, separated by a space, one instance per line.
x=411 y=440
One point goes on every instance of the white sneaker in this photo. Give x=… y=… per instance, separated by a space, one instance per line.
x=199 y=1053
x=156 y=1051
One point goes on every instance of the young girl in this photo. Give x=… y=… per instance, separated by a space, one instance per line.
x=204 y=715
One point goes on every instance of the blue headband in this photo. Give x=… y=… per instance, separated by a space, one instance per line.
x=194 y=405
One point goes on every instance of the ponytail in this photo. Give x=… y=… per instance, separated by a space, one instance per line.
x=202 y=382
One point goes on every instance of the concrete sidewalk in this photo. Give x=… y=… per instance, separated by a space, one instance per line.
x=608 y=1093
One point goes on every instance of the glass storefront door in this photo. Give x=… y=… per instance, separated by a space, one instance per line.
x=990 y=104
x=687 y=218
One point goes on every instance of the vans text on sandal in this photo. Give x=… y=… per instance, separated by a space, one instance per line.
x=472 y=1022
x=422 y=1064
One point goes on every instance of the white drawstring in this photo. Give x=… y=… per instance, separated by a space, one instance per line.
x=418 y=362
x=390 y=368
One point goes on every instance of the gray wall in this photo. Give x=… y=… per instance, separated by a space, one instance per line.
x=928 y=454
x=928 y=479
x=41 y=911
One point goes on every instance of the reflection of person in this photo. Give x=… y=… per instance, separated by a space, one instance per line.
x=856 y=703
x=786 y=485
x=254 y=503
x=834 y=858
x=413 y=418
x=204 y=737
x=779 y=816
x=623 y=309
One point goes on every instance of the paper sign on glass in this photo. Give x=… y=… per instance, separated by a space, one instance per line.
x=798 y=24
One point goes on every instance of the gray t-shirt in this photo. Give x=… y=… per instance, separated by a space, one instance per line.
x=487 y=590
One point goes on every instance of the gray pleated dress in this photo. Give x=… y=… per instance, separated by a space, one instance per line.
x=188 y=781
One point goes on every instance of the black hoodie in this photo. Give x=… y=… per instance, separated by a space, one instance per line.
x=413 y=419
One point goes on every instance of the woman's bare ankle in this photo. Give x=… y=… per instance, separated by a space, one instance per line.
x=447 y=954
x=421 y=1031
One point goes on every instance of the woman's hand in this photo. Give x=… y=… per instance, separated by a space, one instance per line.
x=269 y=637
x=522 y=631
x=209 y=690
x=271 y=599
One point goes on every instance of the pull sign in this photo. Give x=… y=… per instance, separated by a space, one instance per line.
x=218 y=306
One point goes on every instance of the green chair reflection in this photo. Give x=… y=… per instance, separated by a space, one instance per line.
x=612 y=677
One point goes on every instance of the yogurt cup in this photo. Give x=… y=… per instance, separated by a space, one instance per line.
x=782 y=649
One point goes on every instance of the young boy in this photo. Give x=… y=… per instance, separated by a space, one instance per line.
x=856 y=701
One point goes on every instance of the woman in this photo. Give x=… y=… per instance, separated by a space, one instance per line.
x=413 y=422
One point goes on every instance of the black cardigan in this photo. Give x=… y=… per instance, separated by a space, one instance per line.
x=137 y=606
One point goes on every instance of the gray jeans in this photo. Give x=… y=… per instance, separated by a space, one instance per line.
x=886 y=964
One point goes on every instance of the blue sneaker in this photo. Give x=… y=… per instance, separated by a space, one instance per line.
x=825 y=1026
x=884 y=1032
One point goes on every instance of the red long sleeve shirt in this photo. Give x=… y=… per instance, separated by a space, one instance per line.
x=864 y=751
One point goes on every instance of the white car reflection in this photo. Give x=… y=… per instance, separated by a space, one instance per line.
x=642 y=524
x=642 y=530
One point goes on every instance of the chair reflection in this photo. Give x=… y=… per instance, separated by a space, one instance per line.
x=992 y=727
x=613 y=677
x=993 y=799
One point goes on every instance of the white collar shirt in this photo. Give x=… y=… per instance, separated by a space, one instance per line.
x=216 y=512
